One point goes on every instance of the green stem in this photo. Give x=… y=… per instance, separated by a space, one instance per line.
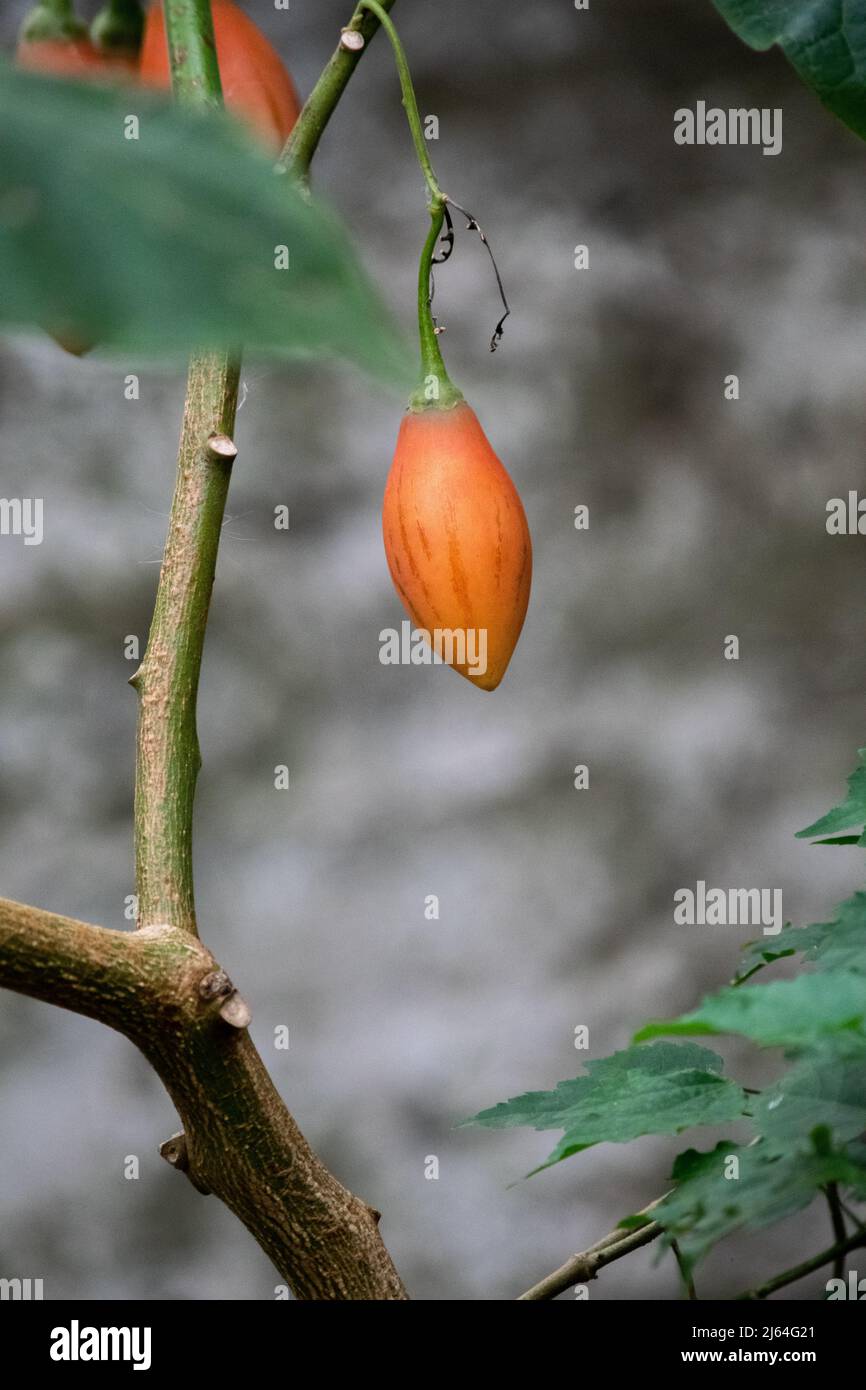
x=685 y=1273
x=52 y=21
x=195 y=76
x=837 y=1221
x=436 y=389
x=852 y=1216
x=167 y=756
x=409 y=99
x=791 y=1276
x=319 y=106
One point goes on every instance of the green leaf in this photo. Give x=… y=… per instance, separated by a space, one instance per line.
x=643 y=1090
x=786 y=1013
x=707 y=1205
x=823 y=40
x=804 y=1120
x=836 y=945
x=826 y=1088
x=168 y=242
x=851 y=811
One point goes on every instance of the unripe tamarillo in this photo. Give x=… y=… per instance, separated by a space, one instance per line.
x=256 y=86
x=456 y=537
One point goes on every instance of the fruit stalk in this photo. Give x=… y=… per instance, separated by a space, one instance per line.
x=410 y=101
x=436 y=388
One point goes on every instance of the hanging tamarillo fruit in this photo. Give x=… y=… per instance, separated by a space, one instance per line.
x=456 y=536
x=255 y=84
x=456 y=539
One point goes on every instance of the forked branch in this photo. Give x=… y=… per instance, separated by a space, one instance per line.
x=240 y=1142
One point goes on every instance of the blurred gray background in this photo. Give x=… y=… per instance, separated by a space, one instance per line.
x=707 y=518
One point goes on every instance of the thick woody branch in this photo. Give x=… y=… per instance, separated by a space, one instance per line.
x=106 y=975
x=155 y=986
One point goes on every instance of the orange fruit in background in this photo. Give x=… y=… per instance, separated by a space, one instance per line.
x=255 y=83
x=77 y=58
x=60 y=57
x=456 y=536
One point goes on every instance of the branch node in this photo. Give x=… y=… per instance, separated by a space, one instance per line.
x=215 y=985
x=234 y=1010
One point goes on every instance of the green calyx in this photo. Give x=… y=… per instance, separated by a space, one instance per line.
x=53 y=21
x=118 y=28
x=436 y=390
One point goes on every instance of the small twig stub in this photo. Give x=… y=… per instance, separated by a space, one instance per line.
x=236 y=1011
x=220 y=447
x=174 y=1151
